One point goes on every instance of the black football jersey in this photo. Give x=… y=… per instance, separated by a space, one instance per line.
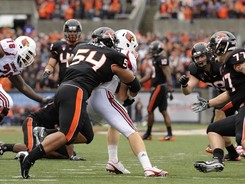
x=234 y=81
x=213 y=78
x=61 y=51
x=158 y=76
x=91 y=65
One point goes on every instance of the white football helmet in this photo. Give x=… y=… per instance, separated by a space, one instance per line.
x=126 y=40
x=26 y=48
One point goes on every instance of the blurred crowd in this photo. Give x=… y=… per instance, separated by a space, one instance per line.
x=195 y=9
x=83 y=9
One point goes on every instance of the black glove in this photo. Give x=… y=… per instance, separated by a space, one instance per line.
x=46 y=74
x=128 y=102
x=201 y=105
x=183 y=80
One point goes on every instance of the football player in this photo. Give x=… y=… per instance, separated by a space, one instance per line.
x=15 y=55
x=104 y=103
x=223 y=44
x=204 y=68
x=35 y=128
x=161 y=85
x=61 y=50
x=92 y=64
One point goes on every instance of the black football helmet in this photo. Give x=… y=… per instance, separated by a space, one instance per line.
x=198 y=50
x=72 y=30
x=104 y=35
x=156 y=48
x=221 y=42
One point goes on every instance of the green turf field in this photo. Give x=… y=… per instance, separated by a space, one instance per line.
x=176 y=157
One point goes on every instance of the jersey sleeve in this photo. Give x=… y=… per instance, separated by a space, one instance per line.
x=132 y=63
x=236 y=57
x=193 y=69
x=9 y=46
x=54 y=50
x=120 y=59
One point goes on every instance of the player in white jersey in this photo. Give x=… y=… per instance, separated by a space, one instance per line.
x=15 y=55
x=103 y=104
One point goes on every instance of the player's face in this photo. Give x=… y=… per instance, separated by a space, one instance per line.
x=72 y=36
x=201 y=60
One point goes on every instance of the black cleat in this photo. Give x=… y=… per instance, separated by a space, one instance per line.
x=1 y=149
x=25 y=164
x=147 y=136
x=209 y=166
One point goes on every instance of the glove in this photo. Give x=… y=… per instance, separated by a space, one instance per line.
x=183 y=80
x=47 y=100
x=170 y=96
x=77 y=158
x=46 y=74
x=202 y=105
x=128 y=102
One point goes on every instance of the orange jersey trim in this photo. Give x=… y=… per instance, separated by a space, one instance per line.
x=76 y=117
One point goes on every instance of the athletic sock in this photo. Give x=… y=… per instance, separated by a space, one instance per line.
x=8 y=147
x=112 y=153
x=218 y=154
x=169 y=129
x=149 y=128
x=37 y=153
x=144 y=160
x=232 y=151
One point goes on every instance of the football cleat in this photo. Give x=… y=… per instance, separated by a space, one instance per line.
x=116 y=168
x=147 y=137
x=154 y=172
x=228 y=158
x=25 y=164
x=1 y=148
x=209 y=166
x=240 y=151
x=209 y=150
x=167 y=138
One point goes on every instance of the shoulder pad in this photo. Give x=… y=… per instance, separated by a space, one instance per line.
x=192 y=68
x=236 y=57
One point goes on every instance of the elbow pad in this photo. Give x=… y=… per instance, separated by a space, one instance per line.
x=134 y=86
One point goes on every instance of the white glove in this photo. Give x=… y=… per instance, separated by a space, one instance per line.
x=201 y=105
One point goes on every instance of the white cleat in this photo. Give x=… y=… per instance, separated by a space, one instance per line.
x=155 y=172
x=240 y=151
x=116 y=168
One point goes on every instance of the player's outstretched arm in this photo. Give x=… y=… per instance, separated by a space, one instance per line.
x=24 y=88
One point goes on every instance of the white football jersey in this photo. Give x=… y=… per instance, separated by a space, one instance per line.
x=9 y=62
x=113 y=84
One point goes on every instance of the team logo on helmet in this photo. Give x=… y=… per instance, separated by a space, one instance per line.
x=25 y=42
x=109 y=33
x=222 y=36
x=130 y=37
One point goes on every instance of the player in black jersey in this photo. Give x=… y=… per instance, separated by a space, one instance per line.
x=204 y=68
x=35 y=128
x=61 y=50
x=161 y=84
x=233 y=61
x=92 y=64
